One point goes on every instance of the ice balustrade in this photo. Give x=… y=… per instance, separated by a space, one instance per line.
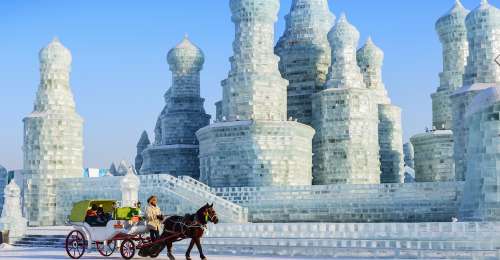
x=175 y=196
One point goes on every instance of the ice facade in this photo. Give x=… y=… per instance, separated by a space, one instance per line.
x=53 y=138
x=481 y=201
x=255 y=144
x=483 y=30
x=305 y=54
x=176 y=195
x=12 y=218
x=175 y=149
x=413 y=202
x=434 y=156
x=346 y=148
x=390 y=130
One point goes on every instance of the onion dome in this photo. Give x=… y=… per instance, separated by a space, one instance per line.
x=485 y=14
x=185 y=56
x=453 y=21
x=343 y=33
x=370 y=54
x=55 y=54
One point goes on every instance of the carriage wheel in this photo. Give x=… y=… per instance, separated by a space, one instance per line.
x=156 y=250
x=75 y=244
x=106 y=250
x=127 y=250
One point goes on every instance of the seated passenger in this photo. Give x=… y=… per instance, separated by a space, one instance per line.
x=91 y=216
x=102 y=218
x=135 y=211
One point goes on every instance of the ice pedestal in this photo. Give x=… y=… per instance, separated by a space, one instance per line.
x=130 y=188
x=12 y=218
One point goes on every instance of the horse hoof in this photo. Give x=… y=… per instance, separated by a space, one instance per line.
x=188 y=258
x=170 y=256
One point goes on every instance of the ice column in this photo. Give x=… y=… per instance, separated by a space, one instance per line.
x=175 y=150
x=305 y=54
x=390 y=133
x=254 y=144
x=12 y=218
x=129 y=185
x=346 y=148
x=53 y=138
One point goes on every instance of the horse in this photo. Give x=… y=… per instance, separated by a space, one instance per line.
x=190 y=226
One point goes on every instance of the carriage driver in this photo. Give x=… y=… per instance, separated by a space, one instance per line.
x=153 y=218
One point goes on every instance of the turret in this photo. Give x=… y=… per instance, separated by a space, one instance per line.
x=307 y=26
x=370 y=59
x=186 y=61
x=344 y=71
x=254 y=88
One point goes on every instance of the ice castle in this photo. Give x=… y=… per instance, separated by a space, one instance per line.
x=305 y=131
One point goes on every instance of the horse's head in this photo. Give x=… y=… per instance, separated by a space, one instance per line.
x=209 y=213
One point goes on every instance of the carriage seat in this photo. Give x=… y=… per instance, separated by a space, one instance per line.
x=126 y=213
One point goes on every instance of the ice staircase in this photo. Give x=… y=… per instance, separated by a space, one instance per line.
x=346 y=240
x=184 y=194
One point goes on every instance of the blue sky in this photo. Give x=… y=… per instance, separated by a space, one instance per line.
x=120 y=72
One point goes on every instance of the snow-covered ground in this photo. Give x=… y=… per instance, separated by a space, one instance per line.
x=21 y=253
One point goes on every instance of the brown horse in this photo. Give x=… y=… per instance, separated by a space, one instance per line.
x=190 y=226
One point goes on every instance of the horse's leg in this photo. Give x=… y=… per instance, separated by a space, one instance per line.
x=200 y=250
x=188 y=252
x=169 y=250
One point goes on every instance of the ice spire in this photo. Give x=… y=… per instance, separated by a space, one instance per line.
x=307 y=26
x=370 y=59
x=344 y=71
x=483 y=32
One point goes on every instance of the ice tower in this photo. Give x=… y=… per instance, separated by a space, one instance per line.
x=434 y=150
x=480 y=101
x=53 y=138
x=370 y=60
x=175 y=149
x=254 y=144
x=305 y=54
x=481 y=72
x=345 y=115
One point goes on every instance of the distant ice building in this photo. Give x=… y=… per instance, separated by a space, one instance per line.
x=409 y=155
x=305 y=54
x=143 y=143
x=4 y=180
x=255 y=144
x=175 y=149
x=345 y=116
x=53 y=138
x=434 y=150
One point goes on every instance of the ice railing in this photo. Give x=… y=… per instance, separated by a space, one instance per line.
x=198 y=195
x=200 y=185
